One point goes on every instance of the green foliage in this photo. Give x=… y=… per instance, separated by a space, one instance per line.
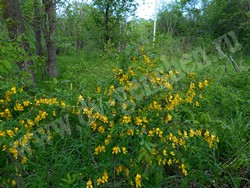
x=8 y=54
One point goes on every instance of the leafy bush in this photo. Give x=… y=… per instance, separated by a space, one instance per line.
x=136 y=129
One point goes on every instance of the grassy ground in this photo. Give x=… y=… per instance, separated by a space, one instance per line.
x=85 y=72
x=226 y=111
x=70 y=161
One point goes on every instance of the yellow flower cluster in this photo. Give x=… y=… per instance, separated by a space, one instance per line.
x=190 y=93
x=48 y=101
x=138 y=180
x=202 y=84
x=116 y=150
x=99 y=149
x=103 y=179
x=18 y=107
x=121 y=168
x=6 y=114
x=210 y=139
x=126 y=119
x=7 y=95
x=40 y=116
x=183 y=169
x=89 y=184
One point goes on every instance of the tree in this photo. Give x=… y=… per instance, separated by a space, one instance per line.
x=38 y=27
x=112 y=12
x=50 y=28
x=16 y=29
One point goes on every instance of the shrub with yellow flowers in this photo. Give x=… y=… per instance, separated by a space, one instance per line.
x=21 y=118
x=137 y=125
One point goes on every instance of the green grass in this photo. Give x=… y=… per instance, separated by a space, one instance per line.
x=86 y=73
x=224 y=110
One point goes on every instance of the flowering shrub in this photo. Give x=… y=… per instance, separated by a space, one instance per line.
x=22 y=117
x=135 y=124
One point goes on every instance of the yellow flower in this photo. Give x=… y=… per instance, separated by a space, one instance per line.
x=130 y=132
x=63 y=103
x=112 y=103
x=99 y=181
x=24 y=160
x=197 y=104
x=138 y=121
x=198 y=132
x=124 y=106
x=185 y=135
x=134 y=59
x=26 y=103
x=164 y=152
x=126 y=119
x=13 y=183
x=54 y=113
x=116 y=150
x=138 y=180
x=14 y=152
x=16 y=143
x=93 y=125
x=191 y=133
x=99 y=89
x=206 y=134
x=205 y=83
x=13 y=90
x=2 y=133
x=200 y=85
x=118 y=169
x=10 y=133
x=80 y=98
x=106 y=141
x=43 y=114
x=18 y=107
x=124 y=150
x=30 y=122
x=169 y=162
x=89 y=184
x=4 y=147
x=101 y=129
x=150 y=133
x=172 y=153
x=184 y=171
x=192 y=86
x=99 y=149
x=168 y=118
x=104 y=119
x=105 y=177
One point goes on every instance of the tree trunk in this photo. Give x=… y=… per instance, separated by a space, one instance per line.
x=38 y=27
x=15 y=25
x=50 y=27
x=107 y=23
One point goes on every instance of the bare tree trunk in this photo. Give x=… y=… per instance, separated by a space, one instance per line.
x=107 y=23
x=38 y=27
x=15 y=25
x=50 y=27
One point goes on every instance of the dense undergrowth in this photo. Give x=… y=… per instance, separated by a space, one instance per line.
x=146 y=125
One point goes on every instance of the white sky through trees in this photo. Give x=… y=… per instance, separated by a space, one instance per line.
x=145 y=9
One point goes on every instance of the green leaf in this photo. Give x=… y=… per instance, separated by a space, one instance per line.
x=148 y=147
x=7 y=65
x=141 y=156
x=2 y=69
